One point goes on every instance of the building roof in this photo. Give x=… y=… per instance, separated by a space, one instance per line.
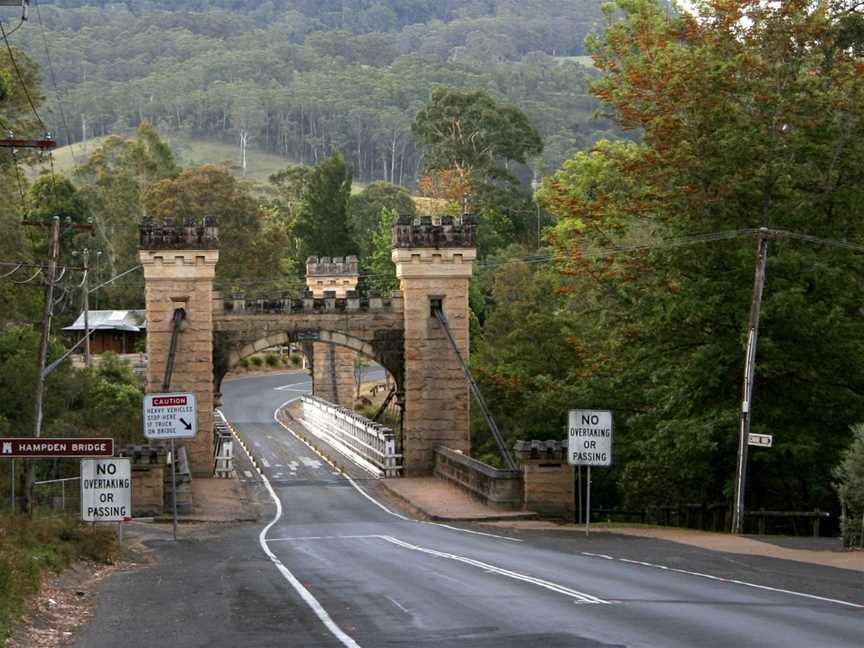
x=132 y=321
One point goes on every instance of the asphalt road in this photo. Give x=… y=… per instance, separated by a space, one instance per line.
x=352 y=573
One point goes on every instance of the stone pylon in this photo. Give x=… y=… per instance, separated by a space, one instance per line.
x=332 y=365
x=434 y=261
x=179 y=263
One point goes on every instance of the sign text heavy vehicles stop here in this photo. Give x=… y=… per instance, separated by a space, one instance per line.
x=170 y=416
x=589 y=438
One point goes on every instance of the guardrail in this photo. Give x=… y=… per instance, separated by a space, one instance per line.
x=53 y=494
x=373 y=446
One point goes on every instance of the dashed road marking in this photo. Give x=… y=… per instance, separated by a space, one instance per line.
x=265 y=463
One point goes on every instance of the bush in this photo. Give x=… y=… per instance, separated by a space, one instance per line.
x=245 y=363
x=28 y=548
x=257 y=360
x=272 y=359
x=296 y=360
x=850 y=484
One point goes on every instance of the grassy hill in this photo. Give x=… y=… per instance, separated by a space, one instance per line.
x=189 y=153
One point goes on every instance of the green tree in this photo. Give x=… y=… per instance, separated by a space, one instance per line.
x=322 y=224
x=378 y=264
x=468 y=131
x=365 y=208
x=751 y=116
x=850 y=484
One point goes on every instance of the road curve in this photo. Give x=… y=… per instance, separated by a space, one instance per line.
x=366 y=576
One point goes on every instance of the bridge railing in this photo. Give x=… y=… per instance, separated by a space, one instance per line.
x=374 y=446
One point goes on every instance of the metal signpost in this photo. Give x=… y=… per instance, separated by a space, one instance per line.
x=106 y=491
x=589 y=443
x=171 y=416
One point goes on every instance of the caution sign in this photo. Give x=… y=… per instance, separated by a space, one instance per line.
x=589 y=438
x=106 y=490
x=170 y=416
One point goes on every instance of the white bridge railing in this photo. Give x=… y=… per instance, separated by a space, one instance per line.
x=373 y=446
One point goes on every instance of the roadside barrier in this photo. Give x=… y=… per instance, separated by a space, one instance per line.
x=374 y=446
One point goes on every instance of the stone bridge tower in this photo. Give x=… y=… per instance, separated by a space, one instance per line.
x=434 y=262
x=179 y=263
x=332 y=365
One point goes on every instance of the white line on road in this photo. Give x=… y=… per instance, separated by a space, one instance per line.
x=332 y=537
x=265 y=463
x=293 y=387
x=539 y=582
x=725 y=580
x=248 y=474
x=397 y=604
x=304 y=593
x=373 y=500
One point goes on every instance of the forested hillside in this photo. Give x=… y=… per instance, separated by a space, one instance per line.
x=303 y=78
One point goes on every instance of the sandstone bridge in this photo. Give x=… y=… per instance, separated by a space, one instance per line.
x=433 y=259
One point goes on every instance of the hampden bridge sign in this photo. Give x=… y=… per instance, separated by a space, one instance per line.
x=211 y=334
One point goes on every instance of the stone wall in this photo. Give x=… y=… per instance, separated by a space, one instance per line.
x=175 y=279
x=548 y=478
x=499 y=488
x=148 y=478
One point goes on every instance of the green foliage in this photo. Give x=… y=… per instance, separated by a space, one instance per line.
x=470 y=132
x=257 y=360
x=364 y=210
x=30 y=547
x=307 y=78
x=745 y=122
x=322 y=224
x=272 y=359
x=245 y=363
x=849 y=474
x=378 y=265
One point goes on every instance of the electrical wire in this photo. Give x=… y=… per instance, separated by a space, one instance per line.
x=26 y=281
x=13 y=271
x=20 y=76
x=54 y=84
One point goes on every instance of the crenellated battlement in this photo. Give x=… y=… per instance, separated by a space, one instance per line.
x=239 y=304
x=330 y=267
x=176 y=235
x=440 y=232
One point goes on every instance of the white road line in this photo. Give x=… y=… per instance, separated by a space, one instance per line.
x=309 y=462
x=398 y=604
x=332 y=537
x=727 y=580
x=265 y=463
x=539 y=582
x=293 y=387
x=248 y=474
x=304 y=593
x=376 y=502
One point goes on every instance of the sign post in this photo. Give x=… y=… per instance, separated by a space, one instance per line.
x=589 y=443
x=171 y=416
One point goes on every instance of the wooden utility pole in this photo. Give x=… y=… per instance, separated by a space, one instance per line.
x=749 y=371
x=87 y=359
x=47 y=312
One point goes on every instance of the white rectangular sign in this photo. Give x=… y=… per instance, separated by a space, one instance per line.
x=106 y=490
x=589 y=438
x=170 y=416
x=760 y=440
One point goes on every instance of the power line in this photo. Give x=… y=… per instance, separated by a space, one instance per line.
x=20 y=77
x=54 y=84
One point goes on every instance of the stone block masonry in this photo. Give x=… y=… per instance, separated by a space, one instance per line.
x=434 y=263
x=183 y=278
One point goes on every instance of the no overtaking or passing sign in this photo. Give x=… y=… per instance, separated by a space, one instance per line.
x=170 y=416
x=589 y=438
x=106 y=490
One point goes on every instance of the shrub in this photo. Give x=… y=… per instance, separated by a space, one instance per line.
x=245 y=363
x=272 y=359
x=850 y=484
x=296 y=360
x=257 y=360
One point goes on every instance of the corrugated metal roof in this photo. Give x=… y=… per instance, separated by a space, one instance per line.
x=119 y=320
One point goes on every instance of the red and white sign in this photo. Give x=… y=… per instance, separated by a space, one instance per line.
x=18 y=447
x=170 y=416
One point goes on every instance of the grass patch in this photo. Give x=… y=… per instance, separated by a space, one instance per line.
x=30 y=548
